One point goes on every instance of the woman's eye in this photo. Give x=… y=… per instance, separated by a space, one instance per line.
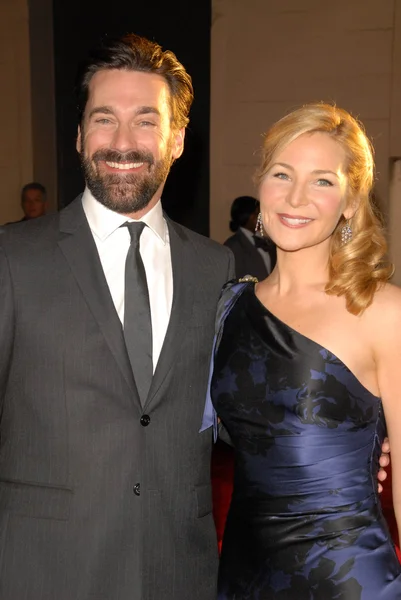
x=281 y=176
x=324 y=182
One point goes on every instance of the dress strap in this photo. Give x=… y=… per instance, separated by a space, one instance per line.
x=229 y=296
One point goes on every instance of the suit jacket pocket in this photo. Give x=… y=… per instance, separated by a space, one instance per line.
x=35 y=500
x=204 y=499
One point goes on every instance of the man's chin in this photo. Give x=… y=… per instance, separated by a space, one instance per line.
x=119 y=195
x=122 y=201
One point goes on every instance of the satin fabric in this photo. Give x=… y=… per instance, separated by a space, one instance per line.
x=305 y=520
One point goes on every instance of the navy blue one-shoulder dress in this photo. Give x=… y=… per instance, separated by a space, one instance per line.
x=305 y=521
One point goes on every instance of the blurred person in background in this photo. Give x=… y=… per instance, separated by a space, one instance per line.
x=254 y=255
x=33 y=202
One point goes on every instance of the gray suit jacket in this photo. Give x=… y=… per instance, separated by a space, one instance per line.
x=74 y=523
x=248 y=260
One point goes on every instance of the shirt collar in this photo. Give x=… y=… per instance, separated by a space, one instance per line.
x=103 y=221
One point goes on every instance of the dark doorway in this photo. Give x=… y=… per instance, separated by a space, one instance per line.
x=181 y=26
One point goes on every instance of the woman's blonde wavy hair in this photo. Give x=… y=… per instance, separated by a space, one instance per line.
x=359 y=267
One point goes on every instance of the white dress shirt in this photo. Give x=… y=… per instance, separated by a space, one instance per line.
x=263 y=253
x=113 y=242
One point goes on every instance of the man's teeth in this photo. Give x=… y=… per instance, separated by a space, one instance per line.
x=294 y=221
x=123 y=166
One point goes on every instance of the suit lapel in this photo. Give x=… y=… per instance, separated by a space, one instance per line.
x=79 y=248
x=181 y=307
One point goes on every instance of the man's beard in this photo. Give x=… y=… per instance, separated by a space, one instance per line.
x=125 y=193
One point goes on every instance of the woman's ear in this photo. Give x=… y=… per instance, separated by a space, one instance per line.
x=352 y=207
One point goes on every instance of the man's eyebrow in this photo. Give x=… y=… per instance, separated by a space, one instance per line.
x=104 y=110
x=107 y=110
x=145 y=110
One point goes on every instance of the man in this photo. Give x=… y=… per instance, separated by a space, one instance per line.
x=33 y=201
x=104 y=477
x=254 y=255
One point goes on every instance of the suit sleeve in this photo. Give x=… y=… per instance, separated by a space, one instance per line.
x=6 y=324
x=222 y=431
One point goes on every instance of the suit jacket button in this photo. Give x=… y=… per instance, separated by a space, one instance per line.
x=137 y=489
x=145 y=420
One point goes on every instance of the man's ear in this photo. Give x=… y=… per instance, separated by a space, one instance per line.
x=178 y=143
x=78 y=142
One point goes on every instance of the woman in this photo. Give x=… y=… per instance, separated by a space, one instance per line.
x=307 y=365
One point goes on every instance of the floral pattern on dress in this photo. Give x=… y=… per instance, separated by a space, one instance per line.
x=305 y=521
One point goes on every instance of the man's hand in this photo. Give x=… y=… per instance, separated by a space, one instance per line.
x=384 y=462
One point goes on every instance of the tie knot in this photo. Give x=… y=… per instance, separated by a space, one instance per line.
x=135 y=229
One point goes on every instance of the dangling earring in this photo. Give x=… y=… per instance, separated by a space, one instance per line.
x=346 y=233
x=259 y=226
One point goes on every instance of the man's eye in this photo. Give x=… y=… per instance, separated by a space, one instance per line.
x=146 y=124
x=103 y=121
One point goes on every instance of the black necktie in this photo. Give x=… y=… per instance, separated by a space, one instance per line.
x=137 y=321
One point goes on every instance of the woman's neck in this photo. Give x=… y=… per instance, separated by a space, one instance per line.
x=301 y=270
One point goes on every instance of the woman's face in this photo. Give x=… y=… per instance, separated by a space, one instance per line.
x=303 y=194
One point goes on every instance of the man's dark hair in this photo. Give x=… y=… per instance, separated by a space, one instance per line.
x=33 y=186
x=241 y=209
x=135 y=53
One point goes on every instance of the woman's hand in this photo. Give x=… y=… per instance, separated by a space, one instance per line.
x=384 y=462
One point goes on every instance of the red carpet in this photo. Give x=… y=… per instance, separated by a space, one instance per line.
x=222 y=474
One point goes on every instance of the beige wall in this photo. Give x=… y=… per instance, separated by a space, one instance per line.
x=16 y=166
x=27 y=140
x=395 y=150
x=43 y=97
x=269 y=56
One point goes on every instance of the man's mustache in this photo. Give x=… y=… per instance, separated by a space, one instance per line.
x=137 y=156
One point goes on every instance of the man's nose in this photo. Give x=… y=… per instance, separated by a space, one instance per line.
x=124 y=139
